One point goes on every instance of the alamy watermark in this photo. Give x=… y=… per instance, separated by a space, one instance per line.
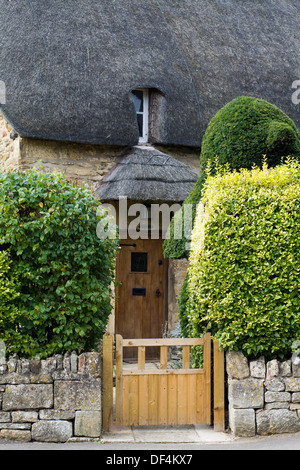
x=2 y=92
x=2 y=352
x=296 y=355
x=296 y=94
x=139 y=221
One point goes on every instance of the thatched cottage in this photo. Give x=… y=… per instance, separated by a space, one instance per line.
x=118 y=93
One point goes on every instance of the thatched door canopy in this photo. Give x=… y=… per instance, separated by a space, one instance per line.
x=146 y=174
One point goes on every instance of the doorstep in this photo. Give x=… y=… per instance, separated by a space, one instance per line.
x=166 y=434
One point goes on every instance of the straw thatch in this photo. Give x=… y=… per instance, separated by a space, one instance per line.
x=69 y=65
x=146 y=174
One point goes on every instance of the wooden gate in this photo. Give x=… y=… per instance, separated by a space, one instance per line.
x=163 y=396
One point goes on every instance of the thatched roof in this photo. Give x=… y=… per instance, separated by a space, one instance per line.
x=146 y=174
x=69 y=65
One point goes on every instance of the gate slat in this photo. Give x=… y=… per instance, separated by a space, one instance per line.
x=200 y=399
x=143 y=399
x=133 y=400
x=192 y=399
x=172 y=399
x=182 y=399
x=141 y=357
x=163 y=399
x=124 y=418
x=153 y=399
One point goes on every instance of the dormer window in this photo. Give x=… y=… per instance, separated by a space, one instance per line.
x=141 y=101
x=150 y=106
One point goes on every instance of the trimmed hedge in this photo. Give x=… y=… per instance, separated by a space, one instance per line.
x=243 y=279
x=58 y=272
x=240 y=134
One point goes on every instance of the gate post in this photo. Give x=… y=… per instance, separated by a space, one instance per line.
x=207 y=370
x=119 y=380
x=219 y=388
x=107 y=378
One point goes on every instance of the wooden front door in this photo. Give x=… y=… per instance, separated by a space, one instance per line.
x=141 y=293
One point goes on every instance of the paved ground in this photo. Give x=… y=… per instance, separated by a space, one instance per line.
x=166 y=434
x=182 y=441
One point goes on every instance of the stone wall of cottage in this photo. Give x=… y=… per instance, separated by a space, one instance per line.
x=9 y=147
x=85 y=162
x=52 y=400
x=264 y=396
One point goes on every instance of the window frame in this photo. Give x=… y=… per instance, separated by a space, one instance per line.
x=145 y=114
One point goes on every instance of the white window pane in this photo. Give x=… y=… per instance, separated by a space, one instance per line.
x=138 y=100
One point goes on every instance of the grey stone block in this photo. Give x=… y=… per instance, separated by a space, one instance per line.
x=15 y=435
x=27 y=396
x=242 y=422
x=272 y=369
x=15 y=425
x=77 y=395
x=237 y=365
x=271 y=397
x=247 y=393
x=258 y=368
x=275 y=385
x=24 y=416
x=5 y=417
x=52 y=431
x=277 y=422
x=87 y=423
x=292 y=384
x=57 y=414
x=296 y=397
x=285 y=368
x=277 y=405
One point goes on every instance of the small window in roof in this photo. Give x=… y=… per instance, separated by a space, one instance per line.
x=141 y=101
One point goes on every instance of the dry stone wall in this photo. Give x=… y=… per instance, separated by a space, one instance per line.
x=264 y=396
x=52 y=400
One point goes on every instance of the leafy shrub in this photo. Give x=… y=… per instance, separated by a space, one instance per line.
x=9 y=293
x=240 y=134
x=243 y=279
x=60 y=268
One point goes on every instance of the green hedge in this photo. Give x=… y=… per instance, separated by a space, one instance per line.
x=243 y=279
x=58 y=272
x=240 y=134
x=10 y=316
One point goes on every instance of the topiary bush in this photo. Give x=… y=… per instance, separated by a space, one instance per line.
x=60 y=271
x=245 y=130
x=239 y=135
x=243 y=279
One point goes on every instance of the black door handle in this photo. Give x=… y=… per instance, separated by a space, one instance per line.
x=157 y=292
